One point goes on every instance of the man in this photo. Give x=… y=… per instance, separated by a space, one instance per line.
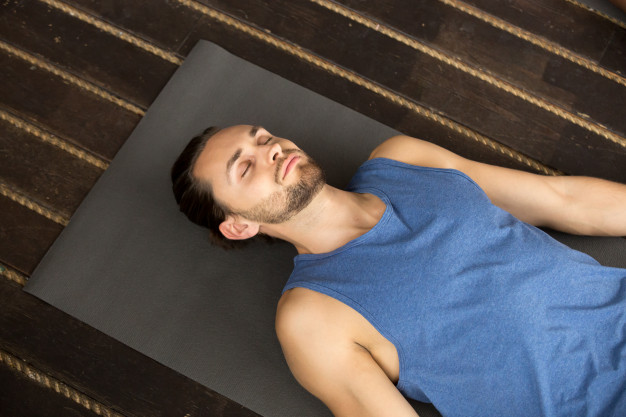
x=424 y=277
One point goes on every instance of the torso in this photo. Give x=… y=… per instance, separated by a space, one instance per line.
x=353 y=326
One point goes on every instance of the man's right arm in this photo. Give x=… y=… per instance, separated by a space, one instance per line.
x=326 y=361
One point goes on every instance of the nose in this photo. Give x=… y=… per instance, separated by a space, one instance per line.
x=274 y=153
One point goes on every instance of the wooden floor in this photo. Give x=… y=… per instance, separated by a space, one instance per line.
x=535 y=84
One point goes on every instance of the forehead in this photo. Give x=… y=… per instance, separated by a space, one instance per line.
x=218 y=149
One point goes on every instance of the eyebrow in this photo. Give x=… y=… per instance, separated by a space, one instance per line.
x=253 y=131
x=231 y=162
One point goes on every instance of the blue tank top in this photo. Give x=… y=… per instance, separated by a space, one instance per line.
x=490 y=316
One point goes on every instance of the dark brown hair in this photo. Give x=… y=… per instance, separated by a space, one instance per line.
x=195 y=196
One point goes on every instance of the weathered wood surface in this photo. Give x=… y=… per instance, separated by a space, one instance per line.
x=525 y=65
x=83 y=72
x=63 y=108
x=50 y=174
x=25 y=236
x=44 y=402
x=81 y=48
x=559 y=21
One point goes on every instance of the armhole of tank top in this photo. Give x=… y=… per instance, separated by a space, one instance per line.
x=366 y=315
x=349 y=302
x=393 y=162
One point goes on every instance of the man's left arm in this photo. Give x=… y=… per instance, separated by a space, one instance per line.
x=577 y=205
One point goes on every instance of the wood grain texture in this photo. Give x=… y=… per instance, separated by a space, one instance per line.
x=615 y=54
x=47 y=173
x=165 y=23
x=67 y=110
x=560 y=21
x=80 y=48
x=25 y=236
x=595 y=97
x=511 y=59
x=22 y=397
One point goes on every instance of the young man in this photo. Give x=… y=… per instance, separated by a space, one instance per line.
x=425 y=277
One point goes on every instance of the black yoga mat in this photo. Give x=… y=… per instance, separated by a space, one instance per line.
x=132 y=266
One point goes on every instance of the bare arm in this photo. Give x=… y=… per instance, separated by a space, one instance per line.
x=578 y=205
x=328 y=363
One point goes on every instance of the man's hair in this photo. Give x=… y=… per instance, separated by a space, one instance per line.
x=195 y=196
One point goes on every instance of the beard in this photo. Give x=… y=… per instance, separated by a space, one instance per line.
x=282 y=205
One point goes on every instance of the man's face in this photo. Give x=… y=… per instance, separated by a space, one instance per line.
x=260 y=177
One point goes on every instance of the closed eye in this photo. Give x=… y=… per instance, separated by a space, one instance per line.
x=249 y=164
x=246 y=170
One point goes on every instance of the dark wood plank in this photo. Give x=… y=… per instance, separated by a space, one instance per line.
x=102 y=368
x=165 y=23
x=471 y=102
x=99 y=57
x=473 y=40
x=22 y=397
x=45 y=172
x=582 y=153
x=596 y=97
x=573 y=27
x=513 y=59
x=615 y=54
x=63 y=108
x=25 y=236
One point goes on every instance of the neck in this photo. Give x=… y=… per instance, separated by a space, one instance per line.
x=332 y=219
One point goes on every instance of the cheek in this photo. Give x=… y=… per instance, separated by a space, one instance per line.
x=254 y=192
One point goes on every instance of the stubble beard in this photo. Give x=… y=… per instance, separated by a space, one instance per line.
x=282 y=205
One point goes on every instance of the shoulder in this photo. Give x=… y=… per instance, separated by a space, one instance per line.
x=534 y=199
x=312 y=326
x=415 y=152
x=303 y=314
x=315 y=339
x=323 y=354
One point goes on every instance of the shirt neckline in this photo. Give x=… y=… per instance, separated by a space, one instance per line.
x=358 y=240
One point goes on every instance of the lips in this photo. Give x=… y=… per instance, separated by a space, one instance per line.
x=289 y=164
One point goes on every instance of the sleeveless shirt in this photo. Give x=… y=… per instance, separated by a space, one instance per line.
x=490 y=316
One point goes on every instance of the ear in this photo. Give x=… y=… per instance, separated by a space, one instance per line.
x=236 y=228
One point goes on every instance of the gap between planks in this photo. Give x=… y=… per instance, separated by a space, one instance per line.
x=480 y=74
x=536 y=40
x=73 y=79
x=53 y=140
x=36 y=375
x=115 y=31
x=20 y=197
x=13 y=275
x=587 y=7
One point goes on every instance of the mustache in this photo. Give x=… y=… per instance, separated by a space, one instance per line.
x=279 y=165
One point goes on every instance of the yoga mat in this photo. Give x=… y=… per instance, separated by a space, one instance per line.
x=131 y=265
